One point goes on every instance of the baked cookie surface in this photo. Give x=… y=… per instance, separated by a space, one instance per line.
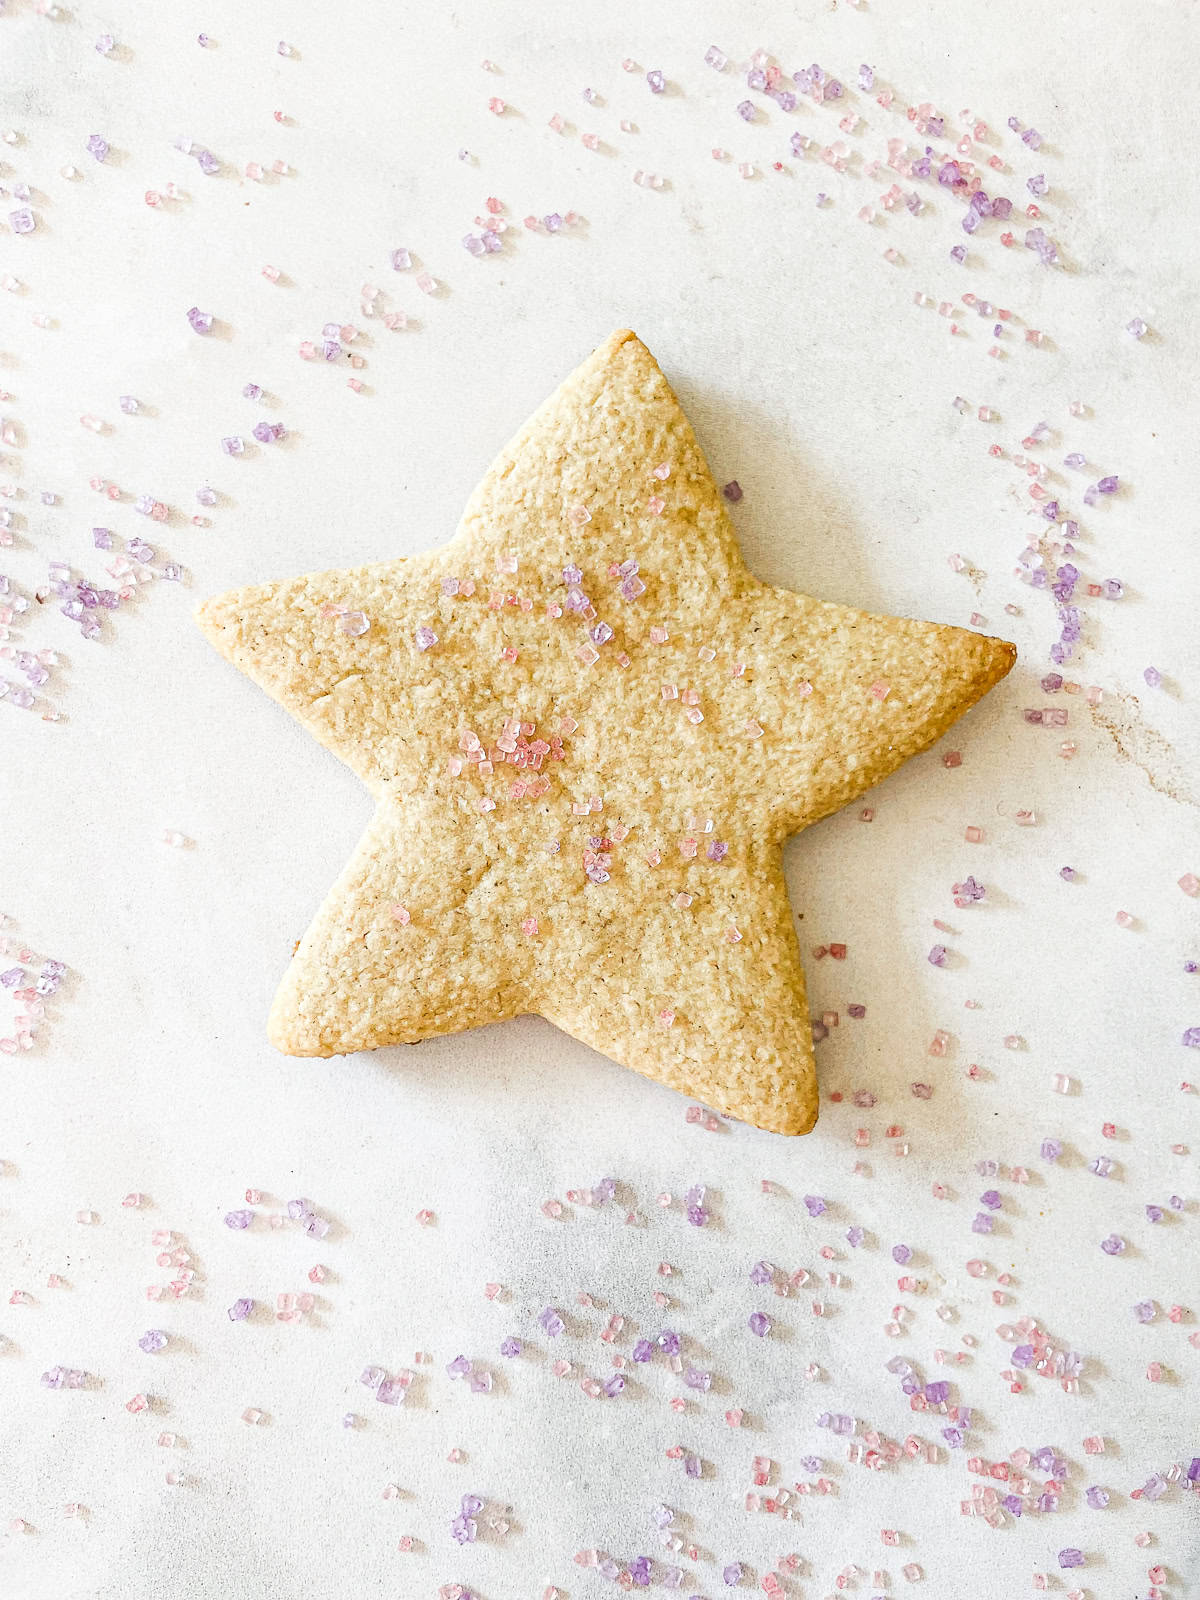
x=588 y=729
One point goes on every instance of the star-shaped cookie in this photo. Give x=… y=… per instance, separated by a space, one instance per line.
x=588 y=729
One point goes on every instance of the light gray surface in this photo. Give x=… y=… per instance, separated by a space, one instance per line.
x=813 y=378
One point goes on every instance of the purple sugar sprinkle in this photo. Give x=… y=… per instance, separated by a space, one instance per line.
x=760 y=1324
x=1153 y=677
x=1145 y=1311
x=732 y=491
x=902 y=1254
x=1070 y=1558
x=937 y=956
x=657 y=81
x=732 y=1574
x=240 y=1310
x=668 y=1342
x=815 y=1205
x=1113 y=1245
x=991 y=1199
x=983 y=1223
x=642 y=1350
x=694 y=1378
x=460 y=1367
x=239 y=1219
x=551 y=1322
x=97 y=146
x=746 y=110
x=154 y=1339
x=201 y=321
x=1097 y=1497
x=855 y=1236
x=761 y=1272
x=1036 y=239
x=510 y=1347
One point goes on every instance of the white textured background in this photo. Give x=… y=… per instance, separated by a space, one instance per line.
x=813 y=378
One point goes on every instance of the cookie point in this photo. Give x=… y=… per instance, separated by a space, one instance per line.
x=801 y=1120
x=205 y=616
x=613 y=343
x=284 y=1034
x=1004 y=656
